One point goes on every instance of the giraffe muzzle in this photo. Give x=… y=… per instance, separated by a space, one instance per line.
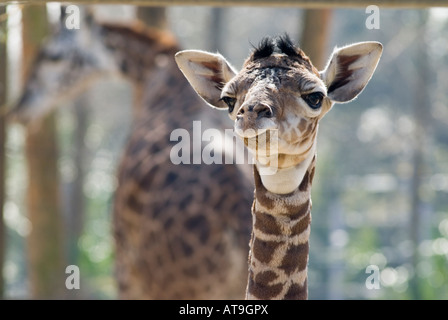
x=254 y=119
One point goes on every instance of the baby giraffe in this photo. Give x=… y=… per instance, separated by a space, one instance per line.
x=276 y=102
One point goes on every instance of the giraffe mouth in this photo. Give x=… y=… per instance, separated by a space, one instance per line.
x=263 y=144
x=252 y=129
x=249 y=133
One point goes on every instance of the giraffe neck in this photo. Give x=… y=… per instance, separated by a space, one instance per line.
x=279 y=245
x=145 y=56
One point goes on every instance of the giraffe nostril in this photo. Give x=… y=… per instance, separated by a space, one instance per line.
x=264 y=111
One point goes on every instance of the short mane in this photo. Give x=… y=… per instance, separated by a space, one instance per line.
x=279 y=44
x=286 y=46
x=264 y=49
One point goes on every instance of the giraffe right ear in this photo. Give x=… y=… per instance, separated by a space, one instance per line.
x=207 y=73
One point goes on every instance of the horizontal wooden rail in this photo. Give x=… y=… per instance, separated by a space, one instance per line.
x=260 y=3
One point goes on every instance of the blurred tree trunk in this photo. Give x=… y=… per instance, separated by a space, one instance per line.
x=3 y=91
x=315 y=34
x=217 y=15
x=74 y=194
x=44 y=243
x=73 y=190
x=314 y=42
x=422 y=103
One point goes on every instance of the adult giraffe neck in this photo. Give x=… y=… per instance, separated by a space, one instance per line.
x=279 y=246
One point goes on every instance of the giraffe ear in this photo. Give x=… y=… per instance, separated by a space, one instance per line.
x=207 y=74
x=349 y=70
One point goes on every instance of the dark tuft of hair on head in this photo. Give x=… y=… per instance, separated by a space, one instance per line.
x=286 y=46
x=264 y=49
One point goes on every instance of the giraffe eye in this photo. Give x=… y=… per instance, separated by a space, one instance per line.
x=314 y=100
x=230 y=102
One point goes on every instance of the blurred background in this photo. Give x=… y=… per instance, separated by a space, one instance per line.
x=380 y=196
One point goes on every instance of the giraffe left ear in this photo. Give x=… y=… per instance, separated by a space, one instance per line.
x=349 y=70
x=207 y=73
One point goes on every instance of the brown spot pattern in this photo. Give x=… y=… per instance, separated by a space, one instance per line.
x=266 y=223
x=295 y=258
x=297 y=292
x=296 y=212
x=260 y=287
x=264 y=250
x=303 y=224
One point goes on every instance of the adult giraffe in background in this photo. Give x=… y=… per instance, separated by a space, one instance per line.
x=276 y=102
x=181 y=231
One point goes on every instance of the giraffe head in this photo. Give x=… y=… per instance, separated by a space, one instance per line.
x=278 y=90
x=64 y=65
x=70 y=59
